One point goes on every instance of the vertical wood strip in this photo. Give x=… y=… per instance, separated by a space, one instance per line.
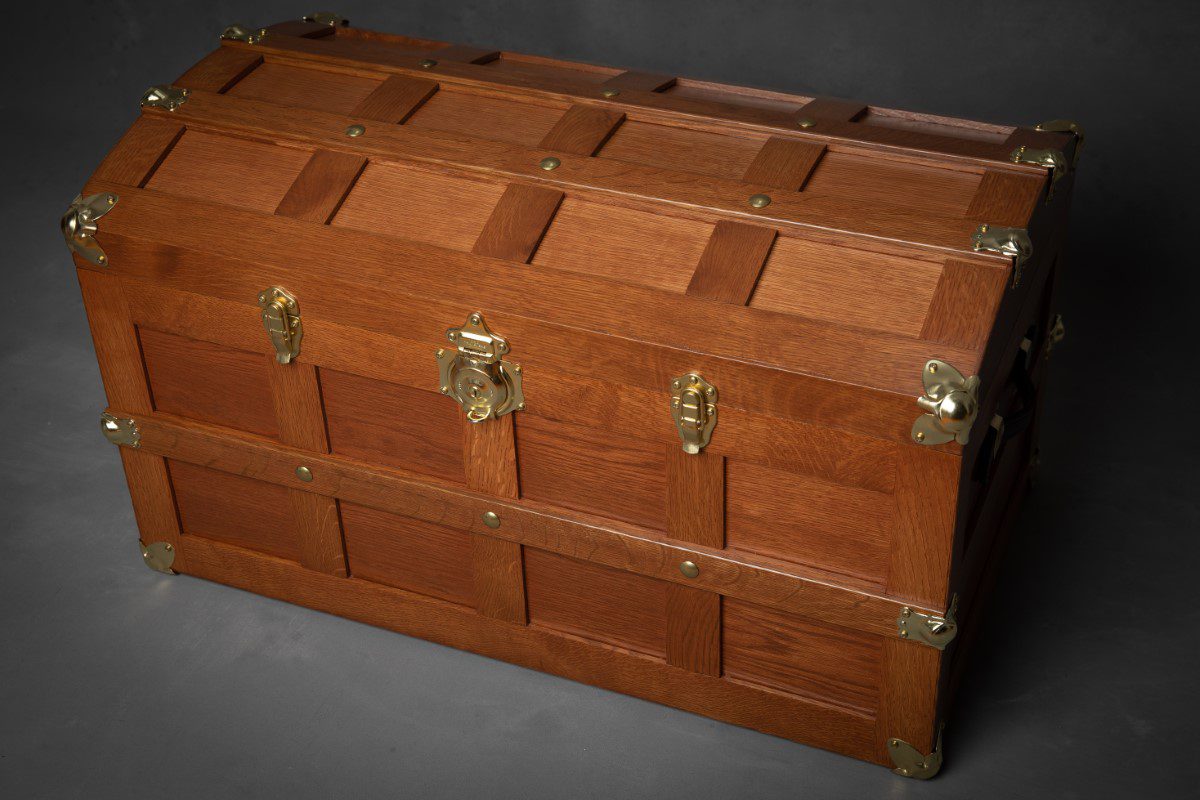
x=395 y=100
x=321 y=187
x=923 y=525
x=139 y=153
x=908 y=696
x=583 y=130
x=694 y=629
x=490 y=456
x=518 y=222
x=1005 y=198
x=696 y=497
x=219 y=70
x=640 y=81
x=964 y=304
x=784 y=163
x=833 y=108
x=465 y=54
x=731 y=262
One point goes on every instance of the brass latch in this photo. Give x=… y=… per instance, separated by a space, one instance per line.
x=168 y=97
x=952 y=403
x=281 y=318
x=79 y=225
x=243 y=33
x=694 y=409
x=475 y=375
x=930 y=629
x=1012 y=242
x=120 y=430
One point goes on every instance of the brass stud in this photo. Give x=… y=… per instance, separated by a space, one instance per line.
x=611 y=92
x=760 y=200
x=427 y=63
x=355 y=131
x=304 y=474
x=549 y=163
x=806 y=122
x=689 y=569
x=491 y=519
x=919 y=436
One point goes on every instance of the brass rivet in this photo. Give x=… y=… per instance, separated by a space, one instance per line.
x=549 y=163
x=689 y=569
x=933 y=367
x=168 y=547
x=760 y=200
x=355 y=130
x=611 y=92
x=491 y=519
x=920 y=437
x=304 y=474
x=427 y=63
x=102 y=259
x=806 y=122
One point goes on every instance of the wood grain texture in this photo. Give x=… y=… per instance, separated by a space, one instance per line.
x=139 y=153
x=875 y=183
x=219 y=70
x=694 y=629
x=490 y=456
x=486 y=116
x=395 y=100
x=784 y=163
x=235 y=510
x=1005 y=199
x=965 y=304
x=640 y=81
x=695 y=496
x=683 y=149
x=466 y=54
x=316 y=89
x=319 y=189
x=732 y=260
x=582 y=130
x=833 y=108
x=499 y=570
x=923 y=526
x=908 y=696
x=518 y=222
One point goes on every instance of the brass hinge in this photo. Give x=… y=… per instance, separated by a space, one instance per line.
x=911 y=763
x=951 y=402
x=1056 y=334
x=1065 y=126
x=281 y=318
x=931 y=629
x=159 y=556
x=120 y=431
x=694 y=409
x=1012 y=242
x=1053 y=160
x=330 y=18
x=475 y=374
x=243 y=33
x=168 y=97
x=79 y=225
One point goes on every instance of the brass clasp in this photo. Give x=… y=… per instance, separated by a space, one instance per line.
x=694 y=409
x=952 y=403
x=475 y=374
x=79 y=225
x=281 y=318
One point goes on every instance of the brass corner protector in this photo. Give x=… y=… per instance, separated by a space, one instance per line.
x=281 y=318
x=165 y=96
x=909 y=761
x=694 y=409
x=79 y=225
x=475 y=374
x=951 y=403
x=243 y=33
x=1065 y=126
x=931 y=629
x=159 y=556
x=330 y=18
x=121 y=431
x=1012 y=242
x=1052 y=160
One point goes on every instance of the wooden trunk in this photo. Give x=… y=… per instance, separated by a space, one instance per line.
x=807 y=257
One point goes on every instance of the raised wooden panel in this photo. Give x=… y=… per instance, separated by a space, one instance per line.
x=393 y=425
x=821 y=281
x=597 y=472
x=683 y=149
x=487 y=117
x=606 y=605
x=772 y=648
x=139 y=153
x=906 y=121
x=415 y=204
x=624 y=244
x=408 y=554
x=332 y=92
x=913 y=186
x=235 y=510
x=790 y=516
x=224 y=169
x=784 y=163
x=209 y=382
x=695 y=496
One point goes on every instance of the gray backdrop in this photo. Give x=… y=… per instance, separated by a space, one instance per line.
x=118 y=682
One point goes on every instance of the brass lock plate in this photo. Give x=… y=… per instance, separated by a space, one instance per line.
x=694 y=409
x=475 y=374
x=281 y=318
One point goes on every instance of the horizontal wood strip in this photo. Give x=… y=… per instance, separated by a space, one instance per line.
x=825 y=218
x=396 y=99
x=219 y=70
x=583 y=130
x=732 y=261
x=321 y=186
x=518 y=222
x=640 y=81
x=139 y=153
x=625 y=547
x=833 y=108
x=466 y=54
x=784 y=163
x=796 y=718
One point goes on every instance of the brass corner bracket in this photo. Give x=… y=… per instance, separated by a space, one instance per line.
x=1012 y=242
x=121 y=431
x=909 y=761
x=951 y=403
x=159 y=556
x=79 y=225
x=694 y=409
x=1065 y=126
x=243 y=33
x=165 y=96
x=475 y=374
x=330 y=18
x=931 y=629
x=281 y=318
x=1053 y=160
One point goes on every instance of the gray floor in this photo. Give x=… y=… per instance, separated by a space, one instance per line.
x=118 y=682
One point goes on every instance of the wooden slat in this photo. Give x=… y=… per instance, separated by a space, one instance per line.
x=923 y=526
x=833 y=108
x=465 y=54
x=396 y=99
x=964 y=304
x=694 y=629
x=490 y=456
x=499 y=578
x=138 y=154
x=732 y=261
x=321 y=186
x=696 y=496
x=1005 y=199
x=518 y=222
x=219 y=70
x=640 y=81
x=302 y=29
x=908 y=696
x=784 y=163
x=583 y=130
